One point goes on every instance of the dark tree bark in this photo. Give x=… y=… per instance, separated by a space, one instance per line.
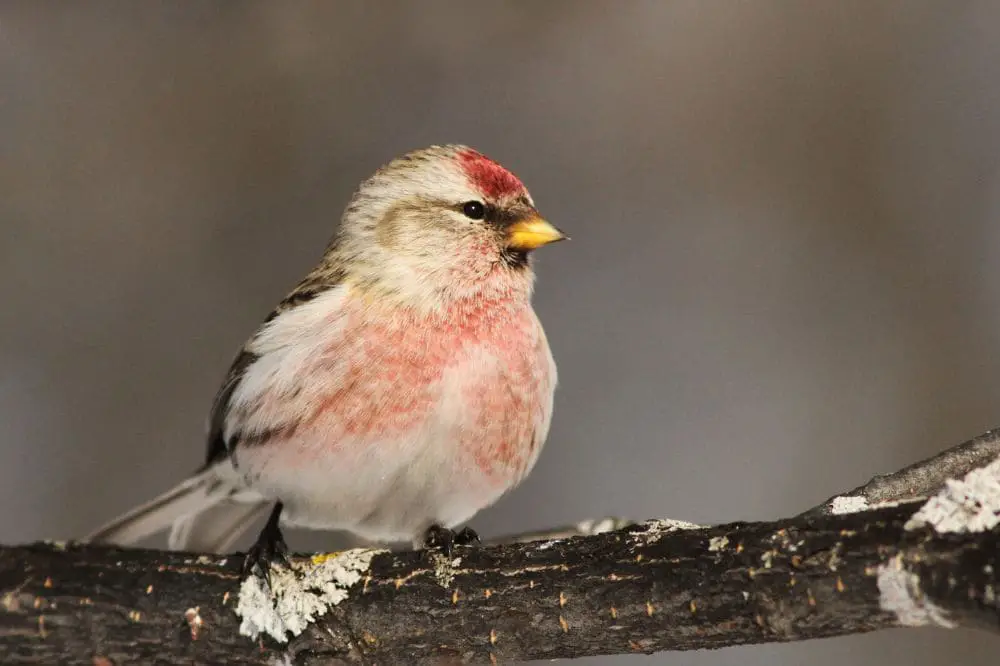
x=644 y=588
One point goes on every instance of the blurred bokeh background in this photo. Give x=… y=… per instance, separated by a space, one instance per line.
x=783 y=276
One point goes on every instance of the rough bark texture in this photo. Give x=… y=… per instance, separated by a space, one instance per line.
x=642 y=589
x=844 y=567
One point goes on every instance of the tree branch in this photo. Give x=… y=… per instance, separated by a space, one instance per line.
x=655 y=586
x=918 y=481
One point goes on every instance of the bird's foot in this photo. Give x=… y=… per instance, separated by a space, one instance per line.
x=270 y=548
x=445 y=540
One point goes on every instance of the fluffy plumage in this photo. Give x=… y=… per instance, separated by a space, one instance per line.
x=405 y=382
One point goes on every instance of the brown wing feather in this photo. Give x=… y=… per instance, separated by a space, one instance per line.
x=326 y=276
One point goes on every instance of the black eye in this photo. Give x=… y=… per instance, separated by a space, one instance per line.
x=474 y=210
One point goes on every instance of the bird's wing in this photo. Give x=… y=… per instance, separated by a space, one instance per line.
x=222 y=437
x=219 y=447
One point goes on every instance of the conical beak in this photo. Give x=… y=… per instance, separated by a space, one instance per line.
x=531 y=233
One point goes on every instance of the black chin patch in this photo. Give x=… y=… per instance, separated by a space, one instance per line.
x=515 y=258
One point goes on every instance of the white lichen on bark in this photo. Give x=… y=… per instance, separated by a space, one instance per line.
x=599 y=526
x=445 y=568
x=848 y=504
x=657 y=528
x=971 y=504
x=901 y=594
x=299 y=594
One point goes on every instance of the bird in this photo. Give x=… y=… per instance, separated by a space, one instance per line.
x=402 y=386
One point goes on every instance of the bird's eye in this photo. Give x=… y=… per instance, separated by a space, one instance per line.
x=474 y=210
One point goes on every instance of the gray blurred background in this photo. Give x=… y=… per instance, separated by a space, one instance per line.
x=782 y=279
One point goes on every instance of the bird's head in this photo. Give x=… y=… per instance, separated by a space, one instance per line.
x=439 y=223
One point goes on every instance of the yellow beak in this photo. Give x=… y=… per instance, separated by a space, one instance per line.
x=532 y=233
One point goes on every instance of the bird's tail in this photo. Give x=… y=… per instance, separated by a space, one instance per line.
x=203 y=513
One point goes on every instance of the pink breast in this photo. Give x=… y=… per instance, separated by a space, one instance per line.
x=391 y=385
x=386 y=384
x=508 y=409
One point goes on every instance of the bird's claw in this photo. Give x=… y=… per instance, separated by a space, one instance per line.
x=466 y=537
x=445 y=540
x=261 y=556
x=270 y=548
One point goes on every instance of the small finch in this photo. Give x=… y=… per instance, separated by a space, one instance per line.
x=402 y=386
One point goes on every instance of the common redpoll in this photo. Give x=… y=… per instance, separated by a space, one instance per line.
x=402 y=386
